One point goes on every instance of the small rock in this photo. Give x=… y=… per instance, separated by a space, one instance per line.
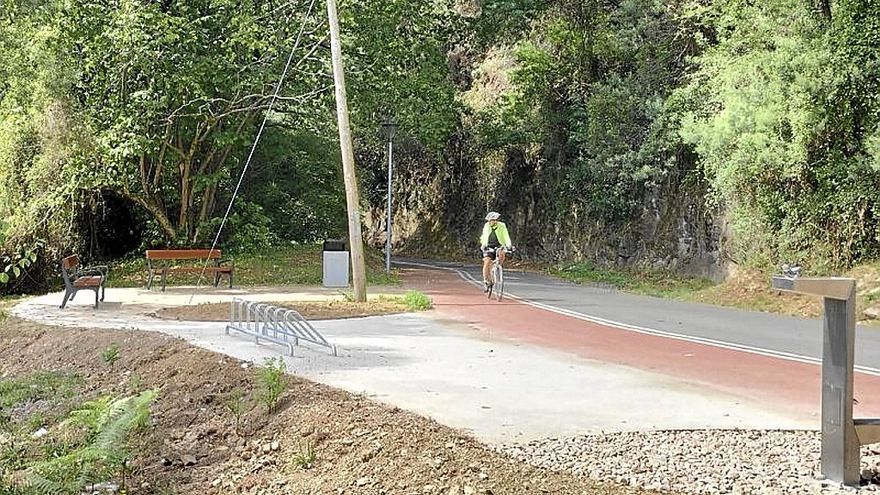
x=104 y=488
x=40 y=433
x=363 y=481
x=275 y=445
x=188 y=460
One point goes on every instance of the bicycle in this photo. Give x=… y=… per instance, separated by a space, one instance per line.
x=496 y=275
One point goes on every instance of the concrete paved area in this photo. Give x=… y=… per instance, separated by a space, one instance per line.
x=499 y=390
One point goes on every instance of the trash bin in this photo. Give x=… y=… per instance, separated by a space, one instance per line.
x=335 y=263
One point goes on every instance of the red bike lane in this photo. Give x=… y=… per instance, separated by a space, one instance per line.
x=787 y=386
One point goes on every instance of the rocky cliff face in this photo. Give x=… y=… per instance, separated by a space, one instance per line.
x=439 y=209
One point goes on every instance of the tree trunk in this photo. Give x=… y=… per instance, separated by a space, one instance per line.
x=158 y=214
x=356 y=245
x=824 y=8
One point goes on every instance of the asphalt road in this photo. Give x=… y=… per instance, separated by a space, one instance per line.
x=762 y=333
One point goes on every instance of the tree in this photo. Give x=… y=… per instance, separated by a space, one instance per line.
x=170 y=93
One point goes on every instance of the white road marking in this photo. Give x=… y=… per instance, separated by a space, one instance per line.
x=648 y=331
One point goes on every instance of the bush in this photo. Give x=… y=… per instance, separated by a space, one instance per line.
x=416 y=301
x=272 y=382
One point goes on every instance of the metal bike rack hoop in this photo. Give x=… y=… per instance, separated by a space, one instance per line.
x=271 y=323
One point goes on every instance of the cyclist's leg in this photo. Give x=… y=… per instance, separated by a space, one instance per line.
x=501 y=255
x=487 y=267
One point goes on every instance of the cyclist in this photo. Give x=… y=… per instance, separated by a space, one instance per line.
x=494 y=237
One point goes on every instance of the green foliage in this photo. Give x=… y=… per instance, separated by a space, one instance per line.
x=247 y=229
x=16 y=264
x=583 y=88
x=573 y=117
x=89 y=446
x=658 y=283
x=235 y=404
x=111 y=354
x=37 y=386
x=272 y=382
x=397 y=54
x=305 y=455
x=285 y=264
x=298 y=185
x=417 y=301
x=102 y=453
x=785 y=110
x=157 y=103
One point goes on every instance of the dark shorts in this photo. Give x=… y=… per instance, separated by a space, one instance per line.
x=489 y=253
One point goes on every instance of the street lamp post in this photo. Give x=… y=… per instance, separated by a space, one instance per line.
x=389 y=127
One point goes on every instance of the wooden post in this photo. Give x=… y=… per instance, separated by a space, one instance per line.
x=356 y=244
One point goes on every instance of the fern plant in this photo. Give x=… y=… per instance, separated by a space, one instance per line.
x=111 y=354
x=105 y=425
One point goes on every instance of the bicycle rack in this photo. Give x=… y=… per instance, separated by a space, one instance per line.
x=271 y=323
x=841 y=434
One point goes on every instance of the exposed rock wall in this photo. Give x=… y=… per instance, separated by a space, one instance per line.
x=439 y=209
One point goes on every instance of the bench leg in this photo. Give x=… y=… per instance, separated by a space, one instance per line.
x=230 y=280
x=150 y=276
x=216 y=279
x=97 y=292
x=66 y=298
x=103 y=291
x=164 y=276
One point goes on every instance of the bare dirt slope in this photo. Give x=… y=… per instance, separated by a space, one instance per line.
x=360 y=446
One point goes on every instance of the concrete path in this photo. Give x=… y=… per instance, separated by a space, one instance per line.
x=499 y=389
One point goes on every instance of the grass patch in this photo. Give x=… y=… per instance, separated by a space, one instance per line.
x=747 y=289
x=293 y=264
x=658 y=283
x=416 y=301
x=38 y=386
x=341 y=307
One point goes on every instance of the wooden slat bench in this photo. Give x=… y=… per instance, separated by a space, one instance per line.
x=159 y=263
x=77 y=278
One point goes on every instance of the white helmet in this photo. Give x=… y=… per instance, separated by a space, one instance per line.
x=493 y=215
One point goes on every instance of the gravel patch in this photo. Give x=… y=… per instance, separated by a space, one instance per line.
x=700 y=462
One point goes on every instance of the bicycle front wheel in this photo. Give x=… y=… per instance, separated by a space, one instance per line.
x=499 y=282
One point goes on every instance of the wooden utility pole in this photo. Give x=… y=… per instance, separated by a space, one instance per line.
x=351 y=190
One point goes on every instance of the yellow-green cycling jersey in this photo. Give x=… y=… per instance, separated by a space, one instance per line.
x=495 y=236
